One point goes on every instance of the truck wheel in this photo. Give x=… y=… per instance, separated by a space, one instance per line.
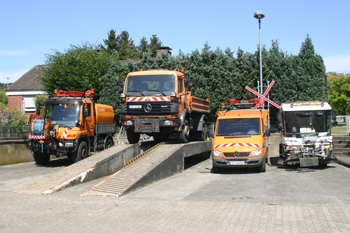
x=80 y=154
x=185 y=132
x=41 y=158
x=215 y=169
x=202 y=135
x=132 y=137
x=262 y=168
x=109 y=143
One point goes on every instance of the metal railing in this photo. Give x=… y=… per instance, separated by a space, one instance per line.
x=18 y=131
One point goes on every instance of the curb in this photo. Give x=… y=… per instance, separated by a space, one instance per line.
x=344 y=163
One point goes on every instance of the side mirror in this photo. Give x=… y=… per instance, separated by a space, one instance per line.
x=268 y=132
x=120 y=90
x=187 y=80
x=121 y=81
x=280 y=127
x=77 y=122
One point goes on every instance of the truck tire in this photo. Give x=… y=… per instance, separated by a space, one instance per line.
x=41 y=158
x=81 y=153
x=202 y=135
x=185 y=132
x=132 y=137
x=109 y=143
x=262 y=168
x=215 y=169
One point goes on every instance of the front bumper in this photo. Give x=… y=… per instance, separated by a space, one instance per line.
x=152 y=125
x=241 y=162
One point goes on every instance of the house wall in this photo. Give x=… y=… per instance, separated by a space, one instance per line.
x=15 y=101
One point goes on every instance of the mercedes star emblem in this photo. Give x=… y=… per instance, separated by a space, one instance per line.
x=148 y=108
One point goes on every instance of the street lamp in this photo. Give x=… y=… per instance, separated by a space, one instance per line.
x=259 y=15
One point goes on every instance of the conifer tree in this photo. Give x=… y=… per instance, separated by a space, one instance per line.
x=110 y=89
x=112 y=41
x=155 y=43
x=125 y=47
x=313 y=83
x=143 y=46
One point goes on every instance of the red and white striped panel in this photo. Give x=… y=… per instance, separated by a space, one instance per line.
x=65 y=133
x=36 y=137
x=237 y=144
x=148 y=99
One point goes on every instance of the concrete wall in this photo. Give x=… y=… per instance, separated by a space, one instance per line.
x=275 y=140
x=14 y=151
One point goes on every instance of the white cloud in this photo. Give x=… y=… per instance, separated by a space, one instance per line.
x=338 y=63
x=13 y=52
x=12 y=75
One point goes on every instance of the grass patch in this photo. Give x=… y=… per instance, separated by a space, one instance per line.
x=339 y=129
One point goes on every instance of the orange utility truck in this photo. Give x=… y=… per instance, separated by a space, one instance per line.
x=71 y=125
x=157 y=103
x=241 y=138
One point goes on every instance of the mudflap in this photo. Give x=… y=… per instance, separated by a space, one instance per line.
x=309 y=162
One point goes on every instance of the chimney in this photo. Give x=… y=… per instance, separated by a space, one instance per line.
x=161 y=50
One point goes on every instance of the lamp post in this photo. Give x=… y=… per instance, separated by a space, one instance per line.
x=259 y=15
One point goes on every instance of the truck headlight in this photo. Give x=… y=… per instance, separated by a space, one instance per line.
x=172 y=94
x=217 y=153
x=122 y=95
x=128 y=123
x=168 y=123
x=256 y=152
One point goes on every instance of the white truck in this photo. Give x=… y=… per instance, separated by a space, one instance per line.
x=306 y=133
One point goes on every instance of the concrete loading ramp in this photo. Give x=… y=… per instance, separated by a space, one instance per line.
x=162 y=162
x=96 y=166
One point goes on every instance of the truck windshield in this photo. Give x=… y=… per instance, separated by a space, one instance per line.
x=63 y=114
x=303 y=123
x=238 y=126
x=160 y=84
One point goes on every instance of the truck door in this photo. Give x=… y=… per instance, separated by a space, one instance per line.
x=181 y=93
x=89 y=119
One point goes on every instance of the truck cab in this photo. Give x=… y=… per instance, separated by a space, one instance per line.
x=241 y=139
x=306 y=133
x=157 y=103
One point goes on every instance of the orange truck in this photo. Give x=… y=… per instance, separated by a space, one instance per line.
x=157 y=103
x=71 y=125
x=241 y=138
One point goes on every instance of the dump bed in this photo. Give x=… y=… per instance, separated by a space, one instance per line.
x=197 y=104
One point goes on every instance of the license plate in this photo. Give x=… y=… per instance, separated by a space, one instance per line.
x=236 y=162
x=135 y=106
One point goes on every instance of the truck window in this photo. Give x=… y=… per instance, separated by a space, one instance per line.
x=238 y=126
x=302 y=123
x=180 y=85
x=87 y=110
x=141 y=83
x=62 y=113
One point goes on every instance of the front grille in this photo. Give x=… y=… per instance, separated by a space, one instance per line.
x=157 y=108
x=237 y=154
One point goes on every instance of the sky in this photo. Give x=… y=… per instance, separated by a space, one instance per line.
x=31 y=30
